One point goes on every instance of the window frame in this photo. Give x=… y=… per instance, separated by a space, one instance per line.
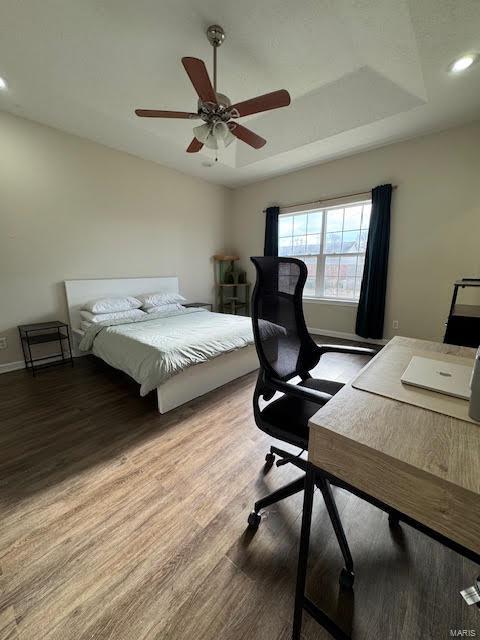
x=321 y=257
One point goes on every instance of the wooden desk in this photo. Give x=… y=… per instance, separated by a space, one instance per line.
x=422 y=464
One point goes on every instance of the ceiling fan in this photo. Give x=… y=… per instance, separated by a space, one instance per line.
x=215 y=109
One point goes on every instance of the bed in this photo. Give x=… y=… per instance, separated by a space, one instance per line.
x=213 y=349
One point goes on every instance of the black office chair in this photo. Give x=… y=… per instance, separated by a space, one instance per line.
x=286 y=350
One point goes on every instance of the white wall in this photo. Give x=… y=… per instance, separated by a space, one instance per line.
x=435 y=233
x=70 y=208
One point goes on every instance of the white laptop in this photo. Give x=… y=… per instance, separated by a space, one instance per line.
x=449 y=378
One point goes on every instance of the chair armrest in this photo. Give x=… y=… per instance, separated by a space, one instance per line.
x=303 y=393
x=337 y=348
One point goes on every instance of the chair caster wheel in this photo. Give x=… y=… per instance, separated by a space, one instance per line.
x=254 y=520
x=346 y=580
x=269 y=459
x=393 y=520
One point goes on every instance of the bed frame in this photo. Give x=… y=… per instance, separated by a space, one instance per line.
x=184 y=386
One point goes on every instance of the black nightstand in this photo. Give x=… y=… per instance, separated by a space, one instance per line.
x=199 y=304
x=41 y=332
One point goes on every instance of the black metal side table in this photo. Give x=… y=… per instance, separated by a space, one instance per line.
x=207 y=305
x=42 y=332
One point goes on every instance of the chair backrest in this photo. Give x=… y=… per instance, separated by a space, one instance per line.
x=284 y=346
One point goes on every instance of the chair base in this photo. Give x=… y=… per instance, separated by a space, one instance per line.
x=288 y=490
x=347 y=575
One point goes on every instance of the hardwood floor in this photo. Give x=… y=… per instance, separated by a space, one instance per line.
x=121 y=524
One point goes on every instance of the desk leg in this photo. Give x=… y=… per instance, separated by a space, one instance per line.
x=303 y=553
x=301 y=600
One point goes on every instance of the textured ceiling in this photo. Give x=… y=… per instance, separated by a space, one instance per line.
x=361 y=73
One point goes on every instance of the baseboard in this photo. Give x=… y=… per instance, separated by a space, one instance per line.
x=12 y=366
x=19 y=364
x=344 y=336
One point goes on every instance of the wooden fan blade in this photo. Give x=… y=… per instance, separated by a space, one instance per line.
x=155 y=113
x=266 y=102
x=194 y=146
x=248 y=136
x=198 y=74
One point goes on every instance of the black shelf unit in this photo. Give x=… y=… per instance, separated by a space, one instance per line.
x=463 y=324
x=42 y=333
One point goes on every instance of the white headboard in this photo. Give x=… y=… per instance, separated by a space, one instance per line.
x=80 y=291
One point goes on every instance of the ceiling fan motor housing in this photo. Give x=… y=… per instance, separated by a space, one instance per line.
x=221 y=112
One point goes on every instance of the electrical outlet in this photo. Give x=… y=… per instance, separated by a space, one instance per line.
x=3 y=342
x=395 y=324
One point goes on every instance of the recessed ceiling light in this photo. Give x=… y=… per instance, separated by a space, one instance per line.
x=462 y=63
x=3 y=84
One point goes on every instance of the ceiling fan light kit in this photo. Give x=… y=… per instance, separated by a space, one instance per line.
x=215 y=109
x=212 y=134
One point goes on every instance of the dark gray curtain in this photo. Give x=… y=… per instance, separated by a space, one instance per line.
x=371 y=305
x=271 y=232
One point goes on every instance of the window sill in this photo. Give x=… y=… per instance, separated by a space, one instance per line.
x=332 y=301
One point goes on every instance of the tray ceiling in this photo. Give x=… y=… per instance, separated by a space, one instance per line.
x=361 y=73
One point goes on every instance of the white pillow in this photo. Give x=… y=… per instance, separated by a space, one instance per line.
x=158 y=299
x=111 y=305
x=84 y=325
x=131 y=314
x=164 y=307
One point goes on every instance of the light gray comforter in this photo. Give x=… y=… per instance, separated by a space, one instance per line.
x=153 y=349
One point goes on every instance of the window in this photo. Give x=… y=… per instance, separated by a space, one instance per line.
x=331 y=241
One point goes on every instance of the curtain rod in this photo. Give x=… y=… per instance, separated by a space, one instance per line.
x=346 y=195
